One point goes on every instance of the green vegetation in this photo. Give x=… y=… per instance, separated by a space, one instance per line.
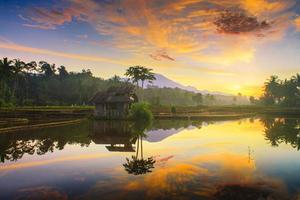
x=36 y=84
x=40 y=84
x=173 y=110
x=278 y=92
x=140 y=111
x=139 y=73
x=178 y=97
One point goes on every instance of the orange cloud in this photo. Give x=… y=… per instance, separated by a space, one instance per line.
x=51 y=161
x=16 y=47
x=200 y=176
x=297 y=23
x=180 y=27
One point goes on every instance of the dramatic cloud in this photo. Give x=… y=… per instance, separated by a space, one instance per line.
x=236 y=22
x=180 y=27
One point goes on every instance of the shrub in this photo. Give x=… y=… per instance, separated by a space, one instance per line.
x=173 y=110
x=2 y=103
x=5 y=104
x=140 y=111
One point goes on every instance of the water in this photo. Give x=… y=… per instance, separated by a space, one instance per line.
x=242 y=159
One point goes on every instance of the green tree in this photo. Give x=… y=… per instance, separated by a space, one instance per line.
x=62 y=72
x=18 y=67
x=47 y=69
x=139 y=73
x=6 y=74
x=198 y=99
x=272 y=90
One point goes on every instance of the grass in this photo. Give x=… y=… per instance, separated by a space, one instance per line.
x=38 y=126
x=49 y=108
x=226 y=110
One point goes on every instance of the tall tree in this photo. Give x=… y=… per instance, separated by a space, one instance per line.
x=273 y=89
x=198 y=99
x=47 y=69
x=18 y=67
x=140 y=73
x=6 y=73
x=62 y=72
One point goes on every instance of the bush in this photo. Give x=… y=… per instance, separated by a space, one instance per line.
x=173 y=110
x=140 y=111
x=2 y=103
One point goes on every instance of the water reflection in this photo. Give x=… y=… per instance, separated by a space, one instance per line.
x=137 y=165
x=187 y=160
x=281 y=130
x=123 y=136
x=14 y=146
x=117 y=134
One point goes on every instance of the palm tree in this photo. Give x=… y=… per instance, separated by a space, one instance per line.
x=18 y=67
x=31 y=67
x=140 y=73
x=6 y=72
x=47 y=69
x=6 y=68
x=273 y=89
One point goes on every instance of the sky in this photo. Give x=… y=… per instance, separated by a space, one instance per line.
x=229 y=46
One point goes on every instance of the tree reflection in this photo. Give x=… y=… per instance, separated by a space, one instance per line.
x=14 y=146
x=137 y=165
x=281 y=130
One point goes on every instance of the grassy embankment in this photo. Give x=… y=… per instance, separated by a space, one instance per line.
x=219 y=112
x=19 y=118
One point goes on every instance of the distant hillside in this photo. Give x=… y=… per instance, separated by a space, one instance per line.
x=162 y=81
x=168 y=92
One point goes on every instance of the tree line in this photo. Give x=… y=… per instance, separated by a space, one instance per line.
x=41 y=83
x=279 y=92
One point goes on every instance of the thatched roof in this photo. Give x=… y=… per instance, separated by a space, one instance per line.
x=115 y=94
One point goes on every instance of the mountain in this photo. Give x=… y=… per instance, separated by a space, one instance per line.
x=162 y=81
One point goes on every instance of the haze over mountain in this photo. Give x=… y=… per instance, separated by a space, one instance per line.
x=163 y=81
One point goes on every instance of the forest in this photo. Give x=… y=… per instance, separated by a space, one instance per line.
x=44 y=84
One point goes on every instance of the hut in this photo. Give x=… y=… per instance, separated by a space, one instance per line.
x=114 y=103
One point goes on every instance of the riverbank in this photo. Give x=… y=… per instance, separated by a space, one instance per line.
x=27 y=118
x=39 y=126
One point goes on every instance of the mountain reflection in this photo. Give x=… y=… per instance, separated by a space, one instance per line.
x=125 y=136
x=119 y=135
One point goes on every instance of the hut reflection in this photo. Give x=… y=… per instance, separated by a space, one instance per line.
x=125 y=136
x=117 y=134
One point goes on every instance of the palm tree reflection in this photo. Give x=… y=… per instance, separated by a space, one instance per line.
x=282 y=130
x=137 y=165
